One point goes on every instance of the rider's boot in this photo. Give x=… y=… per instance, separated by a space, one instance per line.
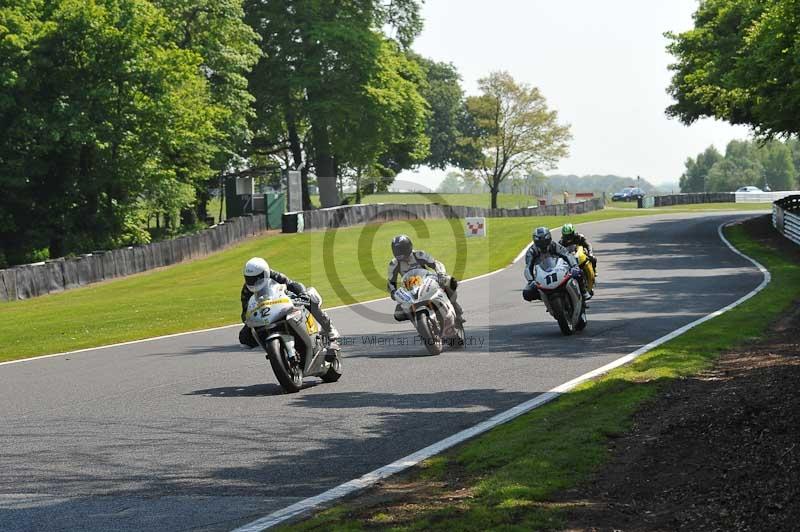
x=246 y=338
x=453 y=297
x=586 y=294
x=460 y=319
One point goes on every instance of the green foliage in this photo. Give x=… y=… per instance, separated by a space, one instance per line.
x=102 y=107
x=739 y=63
x=779 y=169
x=514 y=130
x=334 y=92
x=446 y=125
x=745 y=163
x=694 y=179
x=216 y=31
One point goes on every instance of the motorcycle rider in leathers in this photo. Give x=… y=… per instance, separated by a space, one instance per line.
x=543 y=244
x=570 y=237
x=256 y=273
x=407 y=258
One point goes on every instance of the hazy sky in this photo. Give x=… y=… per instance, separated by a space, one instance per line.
x=602 y=65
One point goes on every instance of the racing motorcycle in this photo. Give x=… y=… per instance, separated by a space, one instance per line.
x=586 y=266
x=561 y=293
x=291 y=337
x=427 y=305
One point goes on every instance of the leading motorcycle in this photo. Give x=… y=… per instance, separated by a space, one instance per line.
x=427 y=305
x=557 y=283
x=291 y=337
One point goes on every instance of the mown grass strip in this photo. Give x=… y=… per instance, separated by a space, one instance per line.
x=510 y=472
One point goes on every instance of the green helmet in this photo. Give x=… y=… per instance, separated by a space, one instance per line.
x=567 y=230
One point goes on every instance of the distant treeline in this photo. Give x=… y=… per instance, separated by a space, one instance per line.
x=540 y=184
x=768 y=165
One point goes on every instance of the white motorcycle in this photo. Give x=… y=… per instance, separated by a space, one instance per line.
x=561 y=293
x=429 y=308
x=291 y=337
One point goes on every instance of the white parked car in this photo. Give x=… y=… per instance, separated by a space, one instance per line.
x=749 y=189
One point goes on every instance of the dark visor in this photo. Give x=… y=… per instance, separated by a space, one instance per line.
x=250 y=280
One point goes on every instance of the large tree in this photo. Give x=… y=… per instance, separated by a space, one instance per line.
x=739 y=64
x=98 y=108
x=515 y=130
x=740 y=167
x=322 y=78
x=446 y=125
x=217 y=32
x=779 y=169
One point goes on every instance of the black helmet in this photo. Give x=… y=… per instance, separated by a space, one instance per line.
x=401 y=247
x=542 y=238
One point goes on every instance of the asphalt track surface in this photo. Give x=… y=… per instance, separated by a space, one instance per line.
x=194 y=433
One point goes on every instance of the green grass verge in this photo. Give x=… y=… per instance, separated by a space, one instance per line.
x=514 y=469
x=204 y=293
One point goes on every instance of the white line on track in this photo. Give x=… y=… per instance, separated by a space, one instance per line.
x=307 y=505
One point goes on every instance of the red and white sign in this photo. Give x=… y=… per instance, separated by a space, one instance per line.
x=475 y=226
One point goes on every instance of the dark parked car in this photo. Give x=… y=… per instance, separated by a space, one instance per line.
x=628 y=194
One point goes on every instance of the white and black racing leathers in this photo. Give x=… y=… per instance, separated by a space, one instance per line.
x=420 y=259
x=532 y=258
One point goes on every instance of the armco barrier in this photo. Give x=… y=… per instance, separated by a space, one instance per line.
x=764 y=197
x=786 y=217
x=692 y=198
x=32 y=280
x=349 y=215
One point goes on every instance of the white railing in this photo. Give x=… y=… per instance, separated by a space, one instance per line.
x=786 y=219
x=763 y=197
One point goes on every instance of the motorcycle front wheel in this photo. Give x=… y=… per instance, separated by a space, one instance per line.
x=583 y=320
x=560 y=314
x=289 y=374
x=430 y=335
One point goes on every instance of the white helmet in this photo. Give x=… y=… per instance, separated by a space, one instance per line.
x=256 y=274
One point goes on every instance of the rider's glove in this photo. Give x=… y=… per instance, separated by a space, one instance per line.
x=442 y=278
x=392 y=293
x=576 y=272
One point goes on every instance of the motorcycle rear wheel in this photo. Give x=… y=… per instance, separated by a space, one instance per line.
x=433 y=340
x=290 y=376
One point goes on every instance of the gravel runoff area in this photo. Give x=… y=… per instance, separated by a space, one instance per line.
x=718 y=451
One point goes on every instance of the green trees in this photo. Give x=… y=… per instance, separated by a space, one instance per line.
x=745 y=163
x=98 y=108
x=694 y=179
x=739 y=63
x=514 y=130
x=113 y=111
x=334 y=92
